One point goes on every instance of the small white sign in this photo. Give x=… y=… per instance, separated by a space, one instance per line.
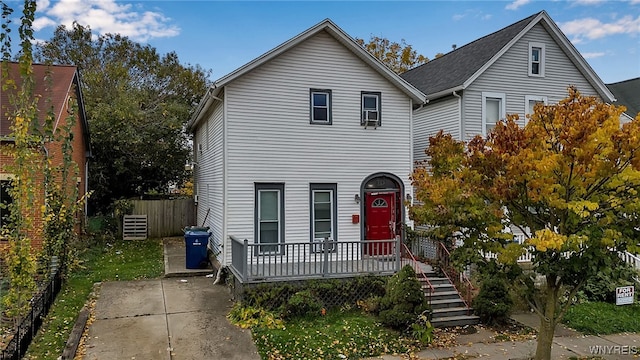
x=625 y=295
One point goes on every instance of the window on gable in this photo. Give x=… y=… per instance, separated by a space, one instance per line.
x=536 y=59
x=269 y=217
x=530 y=102
x=493 y=110
x=320 y=106
x=371 y=113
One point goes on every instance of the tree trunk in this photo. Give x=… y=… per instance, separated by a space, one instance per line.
x=547 y=325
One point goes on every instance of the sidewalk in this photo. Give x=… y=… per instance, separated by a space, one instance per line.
x=175 y=318
x=567 y=344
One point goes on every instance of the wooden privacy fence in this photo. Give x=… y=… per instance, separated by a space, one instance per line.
x=166 y=217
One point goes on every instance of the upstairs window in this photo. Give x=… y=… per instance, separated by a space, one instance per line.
x=320 y=106
x=371 y=114
x=536 y=59
x=493 y=110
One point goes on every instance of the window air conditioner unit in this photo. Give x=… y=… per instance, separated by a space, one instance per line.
x=370 y=117
x=200 y=148
x=195 y=199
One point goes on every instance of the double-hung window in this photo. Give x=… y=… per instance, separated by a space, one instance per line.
x=530 y=102
x=536 y=59
x=323 y=213
x=493 y=110
x=269 y=217
x=320 y=106
x=371 y=112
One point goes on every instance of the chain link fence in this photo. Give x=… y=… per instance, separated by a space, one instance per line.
x=331 y=293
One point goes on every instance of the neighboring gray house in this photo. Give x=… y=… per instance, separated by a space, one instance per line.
x=627 y=93
x=309 y=141
x=507 y=72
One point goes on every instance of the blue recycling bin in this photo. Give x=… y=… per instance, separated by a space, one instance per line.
x=196 y=243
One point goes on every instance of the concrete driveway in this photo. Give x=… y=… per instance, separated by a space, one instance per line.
x=166 y=319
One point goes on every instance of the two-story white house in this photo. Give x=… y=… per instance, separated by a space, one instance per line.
x=507 y=72
x=311 y=141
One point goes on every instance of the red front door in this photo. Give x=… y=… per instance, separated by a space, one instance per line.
x=380 y=221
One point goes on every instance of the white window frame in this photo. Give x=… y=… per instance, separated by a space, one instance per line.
x=527 y=100
x=327 y=93
x=279 y=190
x=541 y=61
x=378 y=96
x=313 y=213
x=503 y=109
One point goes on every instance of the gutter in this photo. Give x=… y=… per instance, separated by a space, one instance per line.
x=206 y=101
x=445 y=92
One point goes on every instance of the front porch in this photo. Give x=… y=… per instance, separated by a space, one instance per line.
x=257 y=263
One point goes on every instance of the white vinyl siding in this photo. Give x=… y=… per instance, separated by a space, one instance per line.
x=508 y=75
x=208 y=175
x=275 y=142
x=433 y=117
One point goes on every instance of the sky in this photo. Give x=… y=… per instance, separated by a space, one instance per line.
x=223 y=35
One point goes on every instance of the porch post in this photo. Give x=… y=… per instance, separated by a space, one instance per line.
x=245 y=251
x=325 y=251
x=398 y=250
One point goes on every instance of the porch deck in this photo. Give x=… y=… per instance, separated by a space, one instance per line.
x=255 y=263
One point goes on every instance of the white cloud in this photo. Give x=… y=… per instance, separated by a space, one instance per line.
x=634 y=2
x=476 y=14
x=592 y=55
x=517 y=4
x=588 y=2
x=106 y=16
x=591 y=29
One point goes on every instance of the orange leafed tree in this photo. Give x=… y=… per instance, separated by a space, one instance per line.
x=569 y=180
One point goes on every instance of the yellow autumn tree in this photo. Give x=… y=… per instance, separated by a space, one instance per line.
x=399 y=57
x=569 y=179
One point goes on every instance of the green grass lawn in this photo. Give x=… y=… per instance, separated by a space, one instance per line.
x=603 y=318
x=338 y=335
x=117 y=260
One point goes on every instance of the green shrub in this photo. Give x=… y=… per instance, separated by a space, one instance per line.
x=403 y=301
x=493 y=303
x=248 y=317
x=602 y=286
x=422 y=330
x=302 y=303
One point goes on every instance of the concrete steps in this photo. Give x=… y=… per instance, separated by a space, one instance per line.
x=448 y=308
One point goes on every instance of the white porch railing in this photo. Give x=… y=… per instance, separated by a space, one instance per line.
x=252 y=263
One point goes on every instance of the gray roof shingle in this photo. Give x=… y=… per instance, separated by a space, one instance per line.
x=454 y=68
x=627 y=93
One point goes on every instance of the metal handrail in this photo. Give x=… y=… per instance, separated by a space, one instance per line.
x=419 y=271
x=458 y=279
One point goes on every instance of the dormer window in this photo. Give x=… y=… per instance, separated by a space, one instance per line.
x=536 y=59
x=371 y=109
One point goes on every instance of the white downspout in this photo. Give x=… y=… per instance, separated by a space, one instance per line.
x=460 y=128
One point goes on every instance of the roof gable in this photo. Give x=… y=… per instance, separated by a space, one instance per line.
x=332 y=29
x=459 y=68
x=451 y=70
x=52 y=86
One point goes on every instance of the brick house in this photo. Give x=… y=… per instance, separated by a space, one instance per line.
x=55 y=86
